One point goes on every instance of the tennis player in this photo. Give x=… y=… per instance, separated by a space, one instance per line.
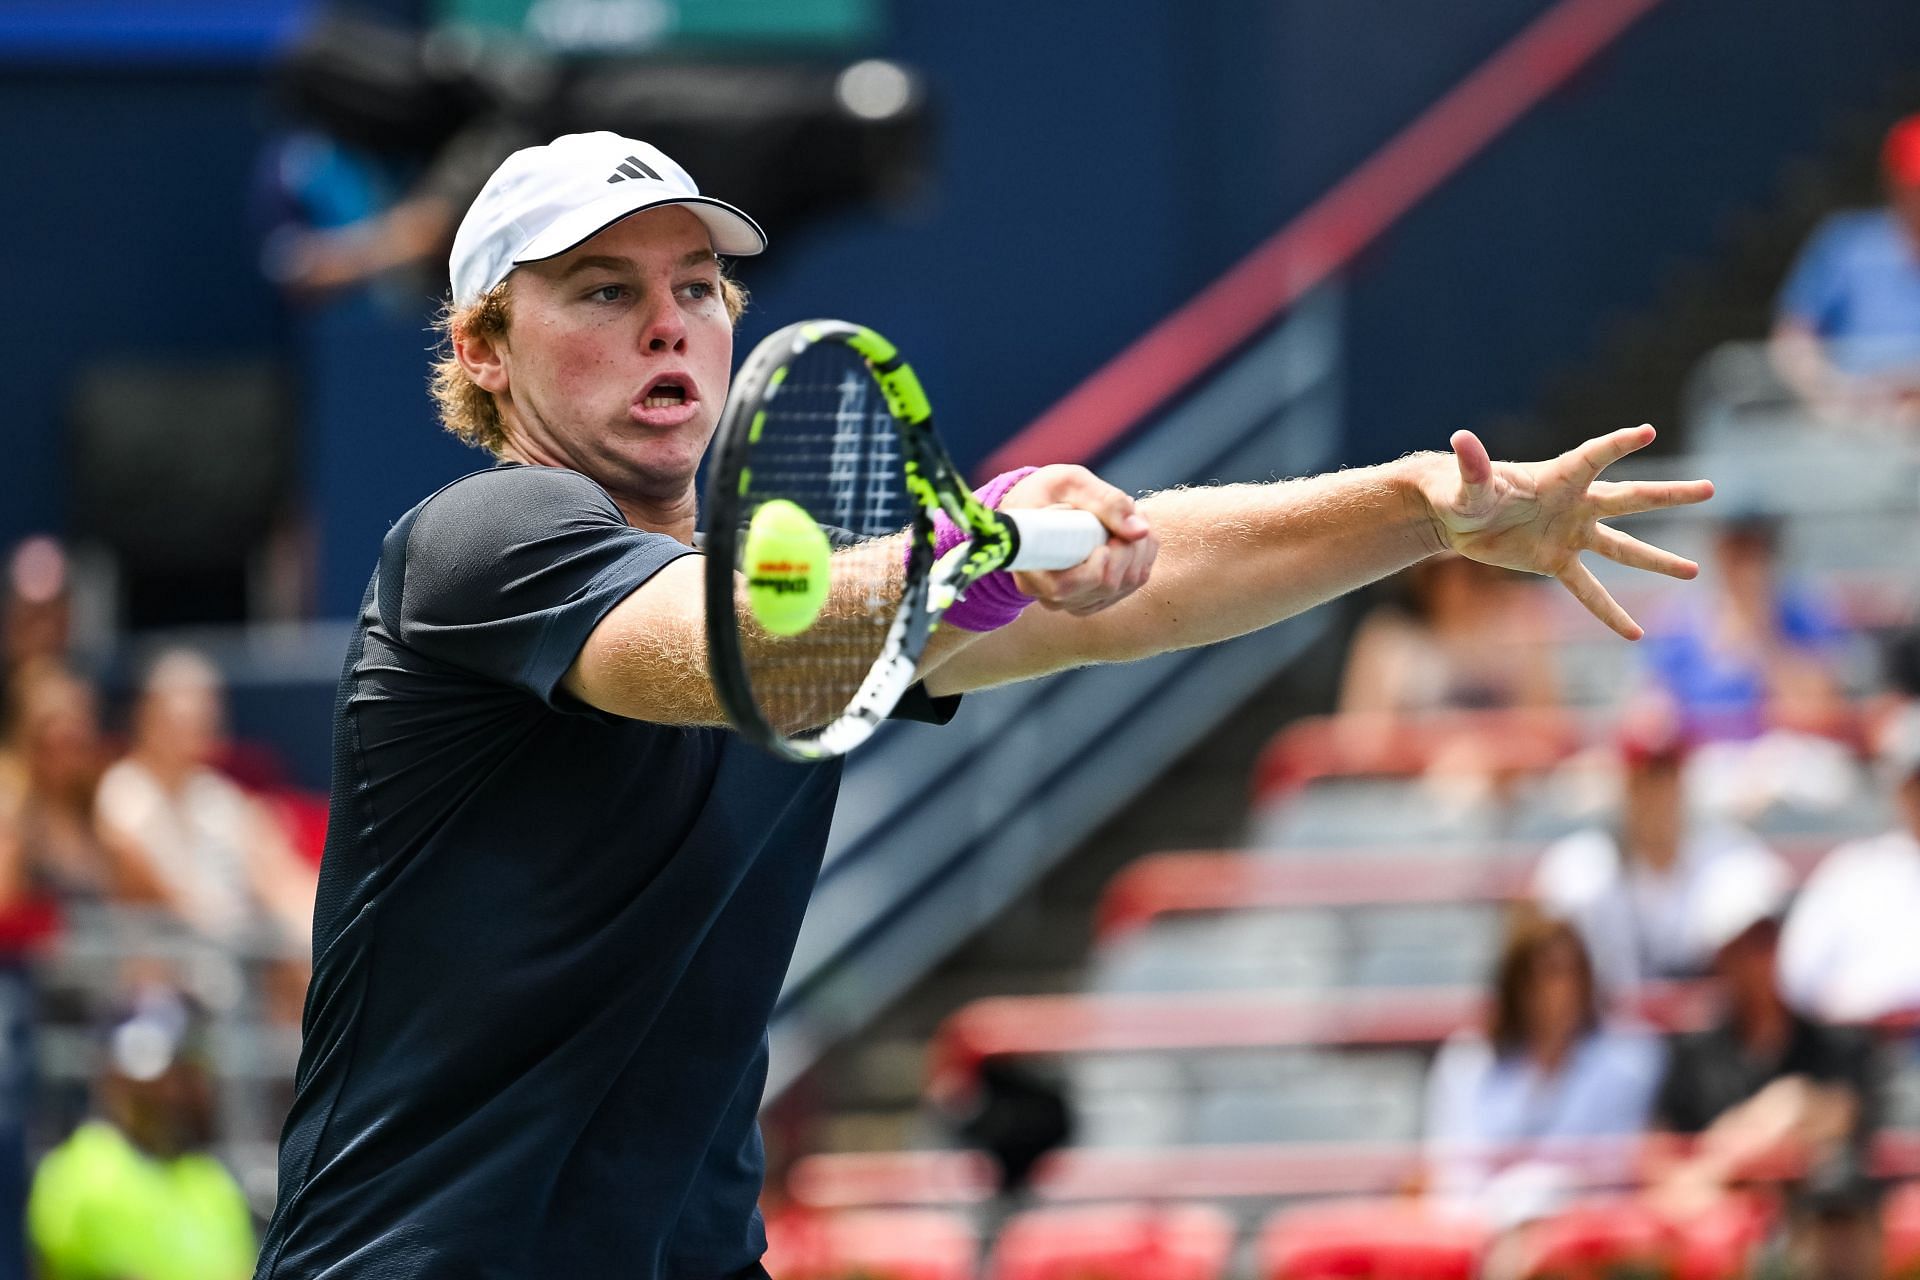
x=558 y=899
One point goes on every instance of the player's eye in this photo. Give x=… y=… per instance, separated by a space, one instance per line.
x=701 y=290
x=607 y=293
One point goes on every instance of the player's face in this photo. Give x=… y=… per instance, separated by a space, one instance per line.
x=617 y=356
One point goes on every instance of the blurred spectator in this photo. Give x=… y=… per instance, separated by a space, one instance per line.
x=1833 y=1228
x=1636 y=890
x=36 y=612
x=1755 y=652
x=1464 y=636
x=1847 y=335
x=1546 y=1071
x=53 y=760
x=132 y=1193
x=219 y=859
x=1763 y=1081
x=1016 y=1116
x=412 y=122
x=1848 y=952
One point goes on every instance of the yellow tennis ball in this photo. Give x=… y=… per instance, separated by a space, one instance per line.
x=786 y=560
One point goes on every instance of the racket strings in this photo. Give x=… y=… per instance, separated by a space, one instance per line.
x=829 y=444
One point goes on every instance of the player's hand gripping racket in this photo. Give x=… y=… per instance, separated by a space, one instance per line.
x=822 y=584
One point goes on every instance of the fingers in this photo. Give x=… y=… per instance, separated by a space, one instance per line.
x=1611 y=499
x=1476 y=466
x=1114 y=571
x=1111 y=574
x=1586 y=588
x=1598 y=454
x=1075 y=486
x=1624 y=548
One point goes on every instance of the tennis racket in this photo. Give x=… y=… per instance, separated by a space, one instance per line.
x=825 y=415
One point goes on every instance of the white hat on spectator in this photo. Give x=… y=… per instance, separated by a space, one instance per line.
x=1740 y=888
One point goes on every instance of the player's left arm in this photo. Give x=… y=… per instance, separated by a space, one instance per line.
x=1235 y=558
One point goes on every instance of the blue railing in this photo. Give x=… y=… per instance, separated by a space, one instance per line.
x=939 y=830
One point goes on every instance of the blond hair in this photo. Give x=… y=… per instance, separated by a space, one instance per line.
x=470 y=412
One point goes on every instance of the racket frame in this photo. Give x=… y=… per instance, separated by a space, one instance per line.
x=931 y=587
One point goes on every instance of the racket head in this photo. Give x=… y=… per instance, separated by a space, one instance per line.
x=821 y=416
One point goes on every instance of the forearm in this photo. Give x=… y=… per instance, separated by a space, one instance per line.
x=648 y=659
x=1233 y=559
x=1238 y=558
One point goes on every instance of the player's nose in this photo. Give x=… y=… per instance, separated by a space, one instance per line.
x=664 y=328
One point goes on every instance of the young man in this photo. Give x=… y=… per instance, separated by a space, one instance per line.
x=558 y=898
x=1846 y=333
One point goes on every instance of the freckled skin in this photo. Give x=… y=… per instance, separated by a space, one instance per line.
x=582 y=345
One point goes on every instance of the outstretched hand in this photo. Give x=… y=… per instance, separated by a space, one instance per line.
x=1539 y=516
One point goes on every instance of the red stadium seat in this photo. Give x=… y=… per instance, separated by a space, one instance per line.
x=1900 y=1226
x=873 y=1244
x=1718 y=1244
x=1115 y=1242
x=1381 y=1239
x=1597 y=1239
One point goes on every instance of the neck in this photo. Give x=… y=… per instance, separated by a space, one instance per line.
x=1655 y=855
x=1551 y=1051
x=1762 y=1025
x=676 y=515
x=169 y=769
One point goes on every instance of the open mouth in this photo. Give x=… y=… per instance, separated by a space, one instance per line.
x=664 y=396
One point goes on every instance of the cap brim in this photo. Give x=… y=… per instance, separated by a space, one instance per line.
x=734 y=234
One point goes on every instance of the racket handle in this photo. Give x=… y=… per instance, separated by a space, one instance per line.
x=1054 y=539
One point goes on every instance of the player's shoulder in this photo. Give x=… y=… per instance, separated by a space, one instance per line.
x=500 y=500
x=512 y=483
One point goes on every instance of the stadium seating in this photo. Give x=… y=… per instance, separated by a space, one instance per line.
x=1115 y=1242
x=1599 y=1239
x=1900 y=1225
x=876 y=1244
x=1374 y=1239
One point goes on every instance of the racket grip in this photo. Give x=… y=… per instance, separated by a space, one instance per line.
x=1054 y=538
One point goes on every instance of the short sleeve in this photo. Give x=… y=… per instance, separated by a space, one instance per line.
x=1811 y=622
x=505 y=573
x=1813 y=291
x=921 y=707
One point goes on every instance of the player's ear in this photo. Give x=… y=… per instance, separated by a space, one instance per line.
x=483 y=356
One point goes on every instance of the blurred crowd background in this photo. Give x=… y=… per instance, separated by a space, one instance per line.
x=1438 y=933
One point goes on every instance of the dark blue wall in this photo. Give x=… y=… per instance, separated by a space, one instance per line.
x=124 y=232
x=1580 y=214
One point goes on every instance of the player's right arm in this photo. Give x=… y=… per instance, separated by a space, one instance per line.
x=530 y=577
x=648 y=659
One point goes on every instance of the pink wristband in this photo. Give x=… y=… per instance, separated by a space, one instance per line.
x=994 y=601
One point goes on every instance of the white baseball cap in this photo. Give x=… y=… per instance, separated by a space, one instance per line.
x=1737 y=890
x=542 y=201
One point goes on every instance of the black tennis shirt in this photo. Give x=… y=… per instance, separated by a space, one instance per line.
x=547 y=940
